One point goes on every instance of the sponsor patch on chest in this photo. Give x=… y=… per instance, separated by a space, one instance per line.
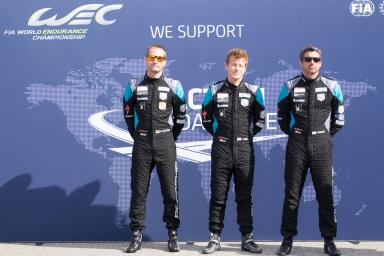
x=244 y=95
x=222 y=97
x=162 y=105
x=299 y=107
x=244 y=102
x=320 y=96
x=321 y=89
x=142 y=90
x=163 y=95
x=299 y=90
x=163 y=89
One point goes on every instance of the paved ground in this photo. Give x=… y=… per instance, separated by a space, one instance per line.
x=313 y=248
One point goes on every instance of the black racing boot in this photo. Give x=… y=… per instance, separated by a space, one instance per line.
x=285 y=247
x=248 y=244
x=213 y=244
x=135 y=243
x=173 y=243
x=330 y=248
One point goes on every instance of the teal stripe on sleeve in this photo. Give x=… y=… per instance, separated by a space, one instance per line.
x=136 y=119
x=128 y=92
x=292 y=122
x=180 y=92
x=337 y=93
x=207 y=97
x=214 y=125
x=283 y=93
x=259 y=97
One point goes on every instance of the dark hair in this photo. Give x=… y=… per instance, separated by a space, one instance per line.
x=309 y=48
x=156 y=46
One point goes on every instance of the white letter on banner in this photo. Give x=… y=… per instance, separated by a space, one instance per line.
x=191 y=94
x=200 y=30
x=210 y=30
x=158 y=32
x=231 y=29
x=179 y=28
x=240 y=27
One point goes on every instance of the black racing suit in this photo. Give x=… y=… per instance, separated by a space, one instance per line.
x=154 y=111
x=233 y=115
x=310 y=112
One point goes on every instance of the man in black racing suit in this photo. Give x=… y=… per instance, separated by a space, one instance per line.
x=154 y=110
x=310 y=111
x=233 y=112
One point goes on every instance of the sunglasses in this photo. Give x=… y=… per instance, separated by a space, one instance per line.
x=314 y=59
x=154 y=57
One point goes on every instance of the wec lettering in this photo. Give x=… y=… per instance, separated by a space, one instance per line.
x=82 y=15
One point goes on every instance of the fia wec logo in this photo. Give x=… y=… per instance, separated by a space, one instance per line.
x=82 y=15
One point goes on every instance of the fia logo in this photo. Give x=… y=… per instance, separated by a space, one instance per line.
x=362 y=8
x=82 y=15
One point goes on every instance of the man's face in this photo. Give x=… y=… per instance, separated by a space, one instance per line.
x=236 y=68
x=310 y=64
x=155 y=60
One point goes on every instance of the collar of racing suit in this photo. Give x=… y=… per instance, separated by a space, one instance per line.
x=233 y=87
x=150 y=79
x=310 y=81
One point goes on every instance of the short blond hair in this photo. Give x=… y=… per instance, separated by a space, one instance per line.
x=237 y=53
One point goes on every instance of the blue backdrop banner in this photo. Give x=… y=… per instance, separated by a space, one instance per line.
x=64 y=146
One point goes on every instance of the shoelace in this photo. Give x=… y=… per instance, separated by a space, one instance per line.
x=137 y=238
x=214 y=241
x=248 y=240
x=331 y=245
x=287 y=242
